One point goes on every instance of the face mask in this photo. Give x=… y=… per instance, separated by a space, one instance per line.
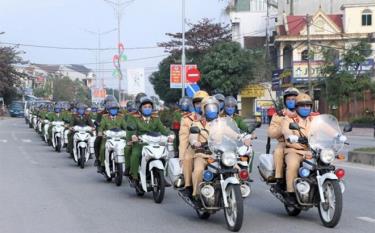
x=230 y=110
x=221 y=106
x=185 y=107
x=147 y=112
x=304 y=111
x=94 y=110
x=290 y=104
x=57 y=110
x=198 y=110
x=113 y=111
x=81 y=111
x=211 y=115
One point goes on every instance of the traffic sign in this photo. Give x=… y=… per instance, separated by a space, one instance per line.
x=191 y=89
x=193 y=75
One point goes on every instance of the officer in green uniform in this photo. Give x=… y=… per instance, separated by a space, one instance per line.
x=54 y=116
x=94 y=112
x=80 y=119
x=112 y=120
x=143 y=122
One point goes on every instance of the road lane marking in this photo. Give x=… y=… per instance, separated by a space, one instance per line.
x=3 y=140
x=26 y=140
x=367 y=219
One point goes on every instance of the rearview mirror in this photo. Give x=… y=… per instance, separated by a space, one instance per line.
x=195 y=130
x=293 y=126
x=348 y=128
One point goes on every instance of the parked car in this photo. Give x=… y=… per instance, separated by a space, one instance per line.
x=16 y=109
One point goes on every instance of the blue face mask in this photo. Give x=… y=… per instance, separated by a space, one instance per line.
x=94 y=110
x=57 y=110
x=185 y=107
x=147 y=112
x=113 y=111
x=304 y=111
x=221 y=105
x=81 y=111
x=211 y=115
x=198 y=110
x=290 y=104
x=230 y=110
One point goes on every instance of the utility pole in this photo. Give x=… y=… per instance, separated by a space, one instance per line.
x=267 y=34
x=308 y=23
x=118 y=7
x=183 y=57
x=291 y=7
x=99 y=34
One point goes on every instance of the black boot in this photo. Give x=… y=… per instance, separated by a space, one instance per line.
x=96 y=163
x=188 y=191
x=291 y=198
x=127 y=172
x=280 y=185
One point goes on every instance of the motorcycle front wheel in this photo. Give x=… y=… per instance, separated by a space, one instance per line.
x=234 y=212
x=119 y=174
x=330 y=211
x=82 y=158
x=159 y=188
x=58 y=145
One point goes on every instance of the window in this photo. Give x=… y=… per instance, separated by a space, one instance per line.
x=304 y=55
x=258 y=5
x=366 y=18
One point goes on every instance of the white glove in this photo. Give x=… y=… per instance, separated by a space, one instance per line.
x=293 y=138
x=343 y=138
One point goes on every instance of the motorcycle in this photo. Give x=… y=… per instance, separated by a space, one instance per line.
x=224 y=184
x=57 y=135
x=151 y=171
x=45 y=130
x=319 y=183
x=83 y=144
x=114 y=162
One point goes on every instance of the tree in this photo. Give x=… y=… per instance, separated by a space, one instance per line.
x=227 y=68
x=9 y=76
x=199 y=39
x=344 y=80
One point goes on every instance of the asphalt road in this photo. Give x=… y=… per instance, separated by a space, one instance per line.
x=43 y=191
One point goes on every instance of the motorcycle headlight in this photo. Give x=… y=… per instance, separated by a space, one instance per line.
x=327 y=156
x=229 y=159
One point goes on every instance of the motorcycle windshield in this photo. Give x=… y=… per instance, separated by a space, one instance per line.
x=224 y=135
x=324 y=133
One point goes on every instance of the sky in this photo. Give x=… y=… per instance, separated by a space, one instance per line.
x=65 y=23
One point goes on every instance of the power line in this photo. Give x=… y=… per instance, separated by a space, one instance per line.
x=76 y=48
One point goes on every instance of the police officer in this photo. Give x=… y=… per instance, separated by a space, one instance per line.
x=185 y=106
x=221 y=99
x=143 y=122
x=81 y=118
x=112 y=120
x=275 y=132
x=295 y=151
x=186 y=152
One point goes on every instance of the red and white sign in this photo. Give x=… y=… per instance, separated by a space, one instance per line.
x=176 y=74
x=193 y=75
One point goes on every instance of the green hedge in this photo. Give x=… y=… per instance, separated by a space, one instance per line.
x=370 y=120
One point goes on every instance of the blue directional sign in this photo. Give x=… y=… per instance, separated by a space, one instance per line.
x=191 y=89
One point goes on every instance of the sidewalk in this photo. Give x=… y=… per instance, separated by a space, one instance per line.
x=363 y=132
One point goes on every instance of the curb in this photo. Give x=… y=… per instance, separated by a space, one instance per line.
x=361 y=157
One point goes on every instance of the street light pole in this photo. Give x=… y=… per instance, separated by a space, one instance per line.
x=311 y=93
x=118 y=9
x=183 y=58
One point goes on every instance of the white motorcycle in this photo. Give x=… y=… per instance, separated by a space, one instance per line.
x=114 y=162
x=83 y=144
x=319 y=183
x=57 y=135
x=45 y=130
x=224 y=184
x=151 y=171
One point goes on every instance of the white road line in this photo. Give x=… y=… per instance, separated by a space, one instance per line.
x=26 y=140
x=367 y=219
x=3 y=140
